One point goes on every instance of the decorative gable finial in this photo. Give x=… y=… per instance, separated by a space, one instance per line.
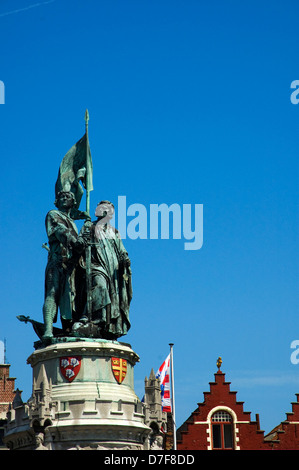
x=219 y=362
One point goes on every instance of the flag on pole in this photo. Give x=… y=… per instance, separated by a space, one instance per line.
x=163 y=374
x=76 y=166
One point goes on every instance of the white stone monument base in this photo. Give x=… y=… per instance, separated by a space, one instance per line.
x=83 y=396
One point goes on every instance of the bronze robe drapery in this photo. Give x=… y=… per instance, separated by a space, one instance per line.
x=110 y=280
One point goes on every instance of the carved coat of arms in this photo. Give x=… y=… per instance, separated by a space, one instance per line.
x=119 y=368
x=70 y=366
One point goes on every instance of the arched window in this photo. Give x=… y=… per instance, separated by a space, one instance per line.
x=222 y=430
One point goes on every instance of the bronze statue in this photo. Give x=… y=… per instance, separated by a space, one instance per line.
x=88 y=276
x=65 y=248
x=110 y=286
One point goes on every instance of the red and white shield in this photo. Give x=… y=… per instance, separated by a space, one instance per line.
x=70 y=366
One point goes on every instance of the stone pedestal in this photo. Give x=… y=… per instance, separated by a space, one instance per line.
x=83 y=398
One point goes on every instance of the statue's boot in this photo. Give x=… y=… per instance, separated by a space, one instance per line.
x=48 y=335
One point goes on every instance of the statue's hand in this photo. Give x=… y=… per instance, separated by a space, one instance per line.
x=87 y=223
x=125 y=260
x=79 y=245
x=86 y=230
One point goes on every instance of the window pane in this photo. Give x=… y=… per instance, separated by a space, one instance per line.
x=221 y=416
x=216 y=436
x=228 y=436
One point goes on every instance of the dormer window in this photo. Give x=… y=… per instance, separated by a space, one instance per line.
x=222 y=430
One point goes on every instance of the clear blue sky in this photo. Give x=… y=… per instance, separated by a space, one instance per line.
x=189 y=103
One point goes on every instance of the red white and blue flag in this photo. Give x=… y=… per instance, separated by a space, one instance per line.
x=163 y=374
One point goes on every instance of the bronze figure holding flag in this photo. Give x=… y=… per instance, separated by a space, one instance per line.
x=65 y=247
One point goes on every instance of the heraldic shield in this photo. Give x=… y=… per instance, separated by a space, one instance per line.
x=119 y=368
x=70 y=366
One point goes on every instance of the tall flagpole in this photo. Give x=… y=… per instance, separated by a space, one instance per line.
x=87 y=165
x=88 y=248
x=172 y=396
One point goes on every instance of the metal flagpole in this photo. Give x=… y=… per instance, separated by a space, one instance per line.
x=87 y=165
x=172 y=396
x=88 y=248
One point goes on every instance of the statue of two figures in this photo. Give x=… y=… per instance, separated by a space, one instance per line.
x=88 y=274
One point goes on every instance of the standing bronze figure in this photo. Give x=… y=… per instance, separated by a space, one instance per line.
x=64 y=250
x=111 y=284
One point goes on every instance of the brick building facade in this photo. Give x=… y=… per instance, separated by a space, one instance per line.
x=7 y=395
x=285 y=436
x=220 y=423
